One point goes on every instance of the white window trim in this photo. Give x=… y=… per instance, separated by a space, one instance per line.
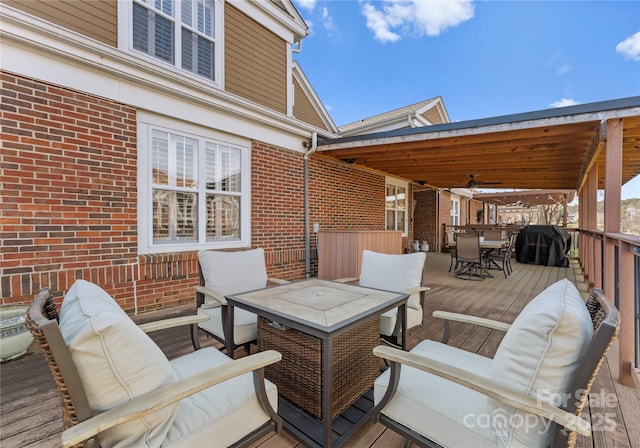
x=125 y=43
x=405 y=185
x=148 y=122
x=455 y=199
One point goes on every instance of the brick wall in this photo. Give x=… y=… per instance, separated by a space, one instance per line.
x=475 y=212
x=68 y=189
x=425 y=218
x=345 y=197
x=69 y=202
x=277 y=221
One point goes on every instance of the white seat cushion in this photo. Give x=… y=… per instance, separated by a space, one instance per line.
x=220 y=415
x=388 y=319
x=539 y=356
x=440 y=410
x=116 y=362
x=245 y=324
x=398 y=273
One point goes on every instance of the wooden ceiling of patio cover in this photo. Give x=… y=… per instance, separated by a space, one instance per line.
x=538 y=154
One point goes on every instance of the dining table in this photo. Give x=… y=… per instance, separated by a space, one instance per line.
x=326 y=332
x=486 y=247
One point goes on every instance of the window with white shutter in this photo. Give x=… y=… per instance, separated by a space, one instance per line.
x=195 y=191
x=183 y=33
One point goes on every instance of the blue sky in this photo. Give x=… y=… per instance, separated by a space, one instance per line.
x=484 y=58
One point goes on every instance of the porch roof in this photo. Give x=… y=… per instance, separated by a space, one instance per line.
x=546 y=149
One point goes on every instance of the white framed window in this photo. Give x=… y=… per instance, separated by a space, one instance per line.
x=194 y=190
x=183 y=33
x=396 y=206
x=455 y=211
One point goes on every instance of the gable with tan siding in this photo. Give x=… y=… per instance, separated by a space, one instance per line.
x=303 y=109
x=255 y=61
x=97 y=19
x=434 y=116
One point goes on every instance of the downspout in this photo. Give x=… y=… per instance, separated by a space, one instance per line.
x=410 y=120
x=307 y=235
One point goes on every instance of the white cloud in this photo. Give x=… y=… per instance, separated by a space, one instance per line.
x=630 y=47
x=396 y=18
x=377 y=23
x=309 y=5
x=327 y=20
x=564 y=102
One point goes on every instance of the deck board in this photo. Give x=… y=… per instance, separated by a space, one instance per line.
x=29 y=404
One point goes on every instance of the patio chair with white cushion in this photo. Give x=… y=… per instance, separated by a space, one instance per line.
x=118 y=388
x=531 y=394
x=223 y=274
x=397 y=273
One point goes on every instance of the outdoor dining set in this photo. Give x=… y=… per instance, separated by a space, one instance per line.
x=474 y=253
x=319 y=358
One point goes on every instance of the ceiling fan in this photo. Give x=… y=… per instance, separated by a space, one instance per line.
x=473 y=183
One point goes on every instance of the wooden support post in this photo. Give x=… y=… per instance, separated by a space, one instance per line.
x=612 y=188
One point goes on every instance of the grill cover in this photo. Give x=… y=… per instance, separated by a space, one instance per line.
x=544 y=245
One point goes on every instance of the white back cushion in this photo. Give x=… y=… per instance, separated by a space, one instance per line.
x=116 y=361
x=539 y=356
x=233 y=272
x=398 y=273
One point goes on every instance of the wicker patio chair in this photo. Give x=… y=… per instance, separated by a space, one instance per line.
x=99 y=359
x=222 y=274
x=532 y=393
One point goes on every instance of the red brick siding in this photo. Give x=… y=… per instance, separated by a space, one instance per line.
x=475 y=206
x=69 y=202
x=68 y=188
x=345 y=197
x=277 y=216
x=425 y=218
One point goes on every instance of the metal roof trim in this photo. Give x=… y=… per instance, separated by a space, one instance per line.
x=577 y=113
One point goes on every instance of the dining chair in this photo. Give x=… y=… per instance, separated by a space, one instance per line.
x=492 y=234
x=449 y=238
x=469 y=257
x=532 y=393
x=222 y=274
x=399 y=273
x=502 y=258
x=117 y=388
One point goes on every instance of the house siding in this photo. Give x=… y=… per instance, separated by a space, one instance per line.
x=255 y=61
x=303 y=108
x=97 y=19
x=69 y=202
x=433 y=116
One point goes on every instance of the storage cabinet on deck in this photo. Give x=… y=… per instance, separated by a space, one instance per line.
x=340 y=251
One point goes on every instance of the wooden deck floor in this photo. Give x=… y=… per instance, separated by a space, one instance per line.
x=29 y=404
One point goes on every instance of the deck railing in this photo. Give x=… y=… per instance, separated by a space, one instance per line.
x=612 y=262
